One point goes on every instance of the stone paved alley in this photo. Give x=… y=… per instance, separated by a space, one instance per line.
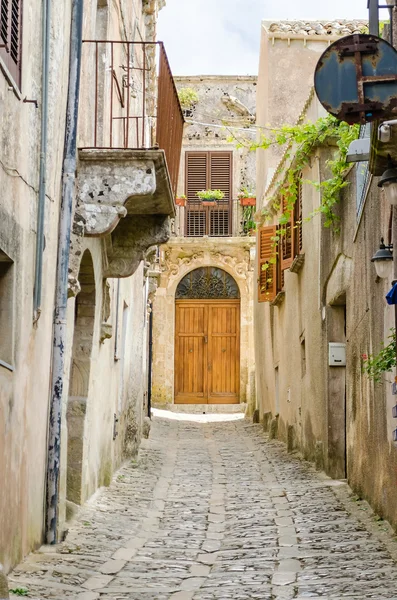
x=217 y=511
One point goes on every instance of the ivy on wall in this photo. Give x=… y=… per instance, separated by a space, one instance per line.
x=302 y=140
x=375 y=365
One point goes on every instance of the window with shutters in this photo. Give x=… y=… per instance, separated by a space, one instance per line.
x=291 y=239
x=208 y=170
x=268 y=264
x=11 y=37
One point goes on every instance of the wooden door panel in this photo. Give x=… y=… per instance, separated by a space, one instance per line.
x=190 y=353
x=207 y=352
x=223 y=353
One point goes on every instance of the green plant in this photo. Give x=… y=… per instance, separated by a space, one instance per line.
x=247 y=192
x=301 y=141
x=181 y=197
x=20 y=592
x=188 y=97
x=248 y=219
x=210 y=195
x=376 y=364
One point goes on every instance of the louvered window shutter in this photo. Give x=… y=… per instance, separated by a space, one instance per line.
x=287 y=238
x=220 y=178
x=267 y=264
x=196 y=176
x=11 y=37
x=298 y=215
x=221 y=173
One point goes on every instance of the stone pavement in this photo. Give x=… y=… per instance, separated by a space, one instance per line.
x=217 y=511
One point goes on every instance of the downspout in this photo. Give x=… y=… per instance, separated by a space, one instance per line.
x=46 y=31
x=150 y=366
x=61 y=292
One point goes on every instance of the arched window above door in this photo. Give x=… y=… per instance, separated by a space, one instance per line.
x=207 y=283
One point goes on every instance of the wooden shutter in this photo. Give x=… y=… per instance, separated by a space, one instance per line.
x=287 y=238
x=220 y=176
x=298 y=216
x=196 y=174
x=267 y=264
x=11 y=37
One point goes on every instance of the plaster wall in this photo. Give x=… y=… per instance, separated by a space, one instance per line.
x=117 y=380
x=286 y=69
x=336 y=416
x=24 y=391
x=284 y=332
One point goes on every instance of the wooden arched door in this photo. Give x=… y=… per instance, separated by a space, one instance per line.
x=207 y=338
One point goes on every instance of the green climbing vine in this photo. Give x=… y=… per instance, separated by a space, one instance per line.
x=301 y=141
x=375 y=365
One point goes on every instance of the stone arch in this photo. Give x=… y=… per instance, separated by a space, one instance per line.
x=84 y=321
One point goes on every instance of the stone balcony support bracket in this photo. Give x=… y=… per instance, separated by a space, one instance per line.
x=127 y=199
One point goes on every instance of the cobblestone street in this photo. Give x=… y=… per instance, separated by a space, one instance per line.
x=217 y=511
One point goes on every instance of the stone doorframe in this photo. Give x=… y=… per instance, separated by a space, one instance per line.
x=164 y=321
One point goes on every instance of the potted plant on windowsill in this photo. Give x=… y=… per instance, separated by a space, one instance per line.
x=210 y=197
x=181 y=200
x=247 y=197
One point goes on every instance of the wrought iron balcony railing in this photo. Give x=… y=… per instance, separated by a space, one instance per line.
x=131 y=100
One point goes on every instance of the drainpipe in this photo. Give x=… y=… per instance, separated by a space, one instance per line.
x=46 y=30
x=61 y=293
x=150 y=366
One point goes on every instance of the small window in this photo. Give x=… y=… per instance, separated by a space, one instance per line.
x=6 y=311
x=11 y=37
x=303 y=357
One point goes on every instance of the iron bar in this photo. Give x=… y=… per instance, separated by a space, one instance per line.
x=96 y=96
x=151 y=116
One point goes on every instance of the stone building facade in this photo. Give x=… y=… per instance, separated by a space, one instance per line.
x=335 y=415
x=124 y=199
x=223 y=110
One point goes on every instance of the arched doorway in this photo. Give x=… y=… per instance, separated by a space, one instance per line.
x=84 y=319
x=207 y=338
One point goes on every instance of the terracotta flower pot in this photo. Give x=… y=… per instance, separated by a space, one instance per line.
x=180 y=201
x=248 y=201
x=208 y=203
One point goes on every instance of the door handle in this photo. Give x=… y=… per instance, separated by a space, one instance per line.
x=205 y=339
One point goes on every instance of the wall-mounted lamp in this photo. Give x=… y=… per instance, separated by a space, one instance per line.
x=388 y=182
x=382 y=259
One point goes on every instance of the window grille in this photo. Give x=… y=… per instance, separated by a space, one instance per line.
x=207 y=283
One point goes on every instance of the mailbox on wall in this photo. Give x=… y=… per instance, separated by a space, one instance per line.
x=337 y=354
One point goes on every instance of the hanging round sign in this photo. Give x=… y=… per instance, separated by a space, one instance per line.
x=356 y=79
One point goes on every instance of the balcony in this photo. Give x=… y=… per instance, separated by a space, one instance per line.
x=227 y=218
x=130 y=140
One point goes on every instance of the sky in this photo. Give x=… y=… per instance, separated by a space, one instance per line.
x=222 y=36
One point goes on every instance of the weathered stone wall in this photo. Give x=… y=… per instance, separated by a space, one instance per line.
x=222 y=101
x=225 y=107
x=178 y=257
